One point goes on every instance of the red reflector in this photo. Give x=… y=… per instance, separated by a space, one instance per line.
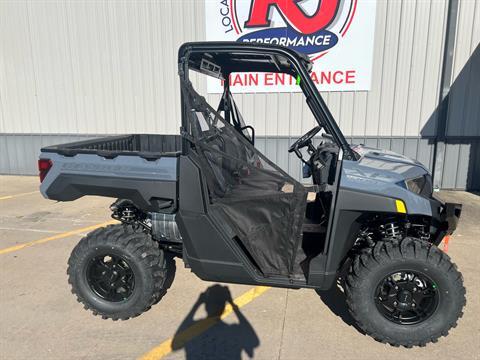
x=446 y=239
x=43 y=166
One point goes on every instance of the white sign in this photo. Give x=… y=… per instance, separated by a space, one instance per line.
x=336 y=34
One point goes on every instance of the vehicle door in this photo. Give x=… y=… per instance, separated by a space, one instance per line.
x=261 y=205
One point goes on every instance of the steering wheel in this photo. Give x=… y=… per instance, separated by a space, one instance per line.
x=305 y=140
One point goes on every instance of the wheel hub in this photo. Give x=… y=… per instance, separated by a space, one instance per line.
x=406 y=297
x=110 y=277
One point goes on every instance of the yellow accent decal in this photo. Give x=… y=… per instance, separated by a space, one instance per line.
x=401 y=206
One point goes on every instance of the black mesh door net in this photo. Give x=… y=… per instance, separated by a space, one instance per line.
x=261 y=204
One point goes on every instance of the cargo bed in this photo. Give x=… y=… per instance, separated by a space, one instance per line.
x=140 y=167
x=148 y=146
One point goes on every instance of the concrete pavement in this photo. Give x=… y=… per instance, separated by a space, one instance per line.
x=40 y=318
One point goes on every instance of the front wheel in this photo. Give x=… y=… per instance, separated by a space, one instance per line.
x=405 y=293
x=118 y=272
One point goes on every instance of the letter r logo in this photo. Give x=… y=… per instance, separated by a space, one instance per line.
x=292 y=13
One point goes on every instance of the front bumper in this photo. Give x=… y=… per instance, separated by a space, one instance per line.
x=450 y=216
x=445 y=217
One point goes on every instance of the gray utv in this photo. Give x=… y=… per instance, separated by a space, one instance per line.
x=368 y=222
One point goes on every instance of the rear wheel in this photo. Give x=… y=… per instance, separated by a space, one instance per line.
x=405 y=293
x=118 y=272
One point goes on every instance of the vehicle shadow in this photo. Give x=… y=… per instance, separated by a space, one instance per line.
x=210 y=337
x=335 y=299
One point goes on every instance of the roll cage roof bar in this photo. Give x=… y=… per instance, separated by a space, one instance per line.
x=220 y=59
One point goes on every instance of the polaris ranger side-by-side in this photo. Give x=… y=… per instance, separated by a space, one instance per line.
x=210 y=197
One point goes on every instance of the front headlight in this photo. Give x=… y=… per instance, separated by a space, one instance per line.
x=421 y=185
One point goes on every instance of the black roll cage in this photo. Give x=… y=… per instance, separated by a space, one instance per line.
x=246 y=57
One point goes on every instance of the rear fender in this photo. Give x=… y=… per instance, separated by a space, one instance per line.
x=150 y=185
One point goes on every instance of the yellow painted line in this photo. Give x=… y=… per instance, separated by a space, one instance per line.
x=17 y=195
x=54 y=237
x=200 y=327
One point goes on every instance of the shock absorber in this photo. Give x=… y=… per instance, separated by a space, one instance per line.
x=391 y=230
x=125 y=211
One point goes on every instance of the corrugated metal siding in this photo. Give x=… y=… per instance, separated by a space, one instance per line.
x=93 y=67
x=464 y=101
x=405 y=80
x=19 y=152
x=110 y=67
x=461 y=162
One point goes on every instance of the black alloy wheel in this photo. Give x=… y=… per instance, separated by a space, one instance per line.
x=111 y=277
x=407 y=297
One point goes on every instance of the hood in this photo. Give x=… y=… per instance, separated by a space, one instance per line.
x=383 y=165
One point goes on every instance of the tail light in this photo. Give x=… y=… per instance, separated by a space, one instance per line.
x=44 y=166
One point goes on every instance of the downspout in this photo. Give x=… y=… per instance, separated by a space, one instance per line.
x=443 y=101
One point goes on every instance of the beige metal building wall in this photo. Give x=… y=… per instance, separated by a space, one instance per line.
x=82 y=68
x=460 y=163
